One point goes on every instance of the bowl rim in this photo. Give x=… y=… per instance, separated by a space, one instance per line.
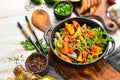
x=30 y=57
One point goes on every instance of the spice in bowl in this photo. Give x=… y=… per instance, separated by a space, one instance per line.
x=63 y=9
x=37 y=63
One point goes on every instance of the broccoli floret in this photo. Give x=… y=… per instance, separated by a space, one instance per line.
x=37 y=1
x=51 y=2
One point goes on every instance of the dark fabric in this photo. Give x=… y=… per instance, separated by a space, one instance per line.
x=114 y=59
x=54 y=73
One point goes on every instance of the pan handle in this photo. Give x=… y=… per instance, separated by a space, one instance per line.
x=106 y=27
x=111 y=49
x=46 y=34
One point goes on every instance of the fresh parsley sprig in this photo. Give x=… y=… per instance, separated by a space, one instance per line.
x=28 y=46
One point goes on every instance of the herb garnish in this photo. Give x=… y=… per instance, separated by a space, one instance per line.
x=28 y=46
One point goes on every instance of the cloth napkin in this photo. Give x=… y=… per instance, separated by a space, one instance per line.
x=114 y=59
x=54 y=73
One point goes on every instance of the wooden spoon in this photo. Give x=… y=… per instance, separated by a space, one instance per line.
x=40 y=19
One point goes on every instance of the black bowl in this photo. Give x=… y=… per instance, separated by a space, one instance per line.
x=37 y=63
x=63 y=16
x=80 y=20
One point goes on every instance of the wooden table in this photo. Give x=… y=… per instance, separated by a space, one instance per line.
x=100 y=70
x=10 y=36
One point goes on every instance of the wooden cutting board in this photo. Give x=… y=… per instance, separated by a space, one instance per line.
x=100 y=70
x=101 y=11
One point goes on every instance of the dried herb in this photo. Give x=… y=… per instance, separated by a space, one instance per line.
x=16 y=59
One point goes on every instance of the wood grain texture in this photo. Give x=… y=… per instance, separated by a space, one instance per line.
x=40 y=19
x=111 y=26
x=100 y=70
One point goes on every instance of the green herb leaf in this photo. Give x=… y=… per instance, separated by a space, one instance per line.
x=44 y=45
x=28 y=46
x=51 y=2
x=37 y=1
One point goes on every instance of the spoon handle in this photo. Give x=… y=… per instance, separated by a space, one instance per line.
x=23 y=30
x=28 y=37
x=30 y=25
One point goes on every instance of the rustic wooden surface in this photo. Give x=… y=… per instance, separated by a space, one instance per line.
x=100 y=70
x=102 y=12
x=40 y=19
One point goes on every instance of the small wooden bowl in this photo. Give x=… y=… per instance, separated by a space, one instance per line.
x=37 y=63
x=62 y=16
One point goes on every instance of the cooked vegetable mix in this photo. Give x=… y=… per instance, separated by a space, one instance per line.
x=78 y=43
x=63 y=8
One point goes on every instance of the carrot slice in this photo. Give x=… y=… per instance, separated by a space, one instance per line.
x=84 y=55
x=64 y=57
x=76 y=24
x=71 y=50
x=65 y=49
